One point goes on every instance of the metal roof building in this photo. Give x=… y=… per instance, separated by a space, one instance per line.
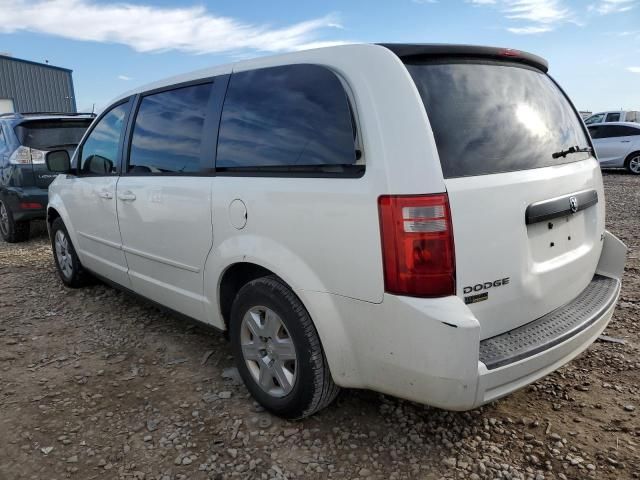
x=27 y=86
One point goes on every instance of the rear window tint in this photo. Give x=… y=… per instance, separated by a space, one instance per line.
x=493 y=117
x=48 y=135
x=294 y=117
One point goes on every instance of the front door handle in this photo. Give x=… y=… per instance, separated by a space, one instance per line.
x=127 y=196
x=105 y=194
x=625 y=141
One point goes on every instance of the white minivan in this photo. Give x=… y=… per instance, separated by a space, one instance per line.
x=426 y=221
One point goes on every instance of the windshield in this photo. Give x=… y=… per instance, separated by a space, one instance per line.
x=47 y=134
x=491 y=117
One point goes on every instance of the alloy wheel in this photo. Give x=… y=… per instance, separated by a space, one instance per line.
x=634 y=164
x=268 y=351
x=4 y=220
x=63 y=255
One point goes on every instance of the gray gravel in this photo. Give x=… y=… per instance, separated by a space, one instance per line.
x=97 y=384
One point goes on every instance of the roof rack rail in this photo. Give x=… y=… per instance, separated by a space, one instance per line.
x=45 y=114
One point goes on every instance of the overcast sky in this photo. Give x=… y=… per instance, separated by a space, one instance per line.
x=593 y=46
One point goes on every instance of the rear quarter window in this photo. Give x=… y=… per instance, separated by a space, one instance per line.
x=629 y=131
x=286 y=118
x=492 y=117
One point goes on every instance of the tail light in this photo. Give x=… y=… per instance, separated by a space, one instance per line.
x=417 y=245
x=30 y=206
x=509 y=52
x=25 y=156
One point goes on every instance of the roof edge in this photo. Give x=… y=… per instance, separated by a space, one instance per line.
x=31 y=62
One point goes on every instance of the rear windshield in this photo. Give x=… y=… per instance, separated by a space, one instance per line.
x=492 y=117
x=46 y=135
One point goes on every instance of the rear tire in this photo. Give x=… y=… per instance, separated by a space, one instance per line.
x=278 y=351
x=632 y=163
x=11 y=230
x=67 y=262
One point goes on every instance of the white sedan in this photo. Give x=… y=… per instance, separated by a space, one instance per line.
x=617 y=145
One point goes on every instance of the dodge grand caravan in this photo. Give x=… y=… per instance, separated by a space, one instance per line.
x=427 y=221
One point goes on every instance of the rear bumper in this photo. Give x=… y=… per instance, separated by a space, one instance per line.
x=430 y=351
x=514 y=359
x=15 y=197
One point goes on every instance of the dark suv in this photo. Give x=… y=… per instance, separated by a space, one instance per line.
x=25 y=138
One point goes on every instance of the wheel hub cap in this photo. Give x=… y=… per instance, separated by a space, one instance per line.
x=268 y=351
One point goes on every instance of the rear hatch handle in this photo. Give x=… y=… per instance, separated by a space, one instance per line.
x=560 y=206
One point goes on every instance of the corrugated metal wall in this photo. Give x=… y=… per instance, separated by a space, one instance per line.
x=35 y=87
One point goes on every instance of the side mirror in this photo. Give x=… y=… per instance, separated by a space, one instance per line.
x=97 y=165
x=58 y=161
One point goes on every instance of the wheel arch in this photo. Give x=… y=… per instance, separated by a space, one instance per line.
x=325 y=315
x=233 y=278
x=629 y=157
x=52 y=214
x=55 y=209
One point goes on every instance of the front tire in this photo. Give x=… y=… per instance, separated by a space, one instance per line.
x=67 y=262
x=633 y=163
x=11 y=230
x=278 y=351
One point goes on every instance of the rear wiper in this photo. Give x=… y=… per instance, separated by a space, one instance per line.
x=570 y=150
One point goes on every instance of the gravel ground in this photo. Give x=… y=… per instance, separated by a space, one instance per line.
x=95 y=383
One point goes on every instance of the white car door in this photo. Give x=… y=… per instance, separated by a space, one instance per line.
x=164 y=196
x=90 y=196
x=611 y=144
x=629 y=140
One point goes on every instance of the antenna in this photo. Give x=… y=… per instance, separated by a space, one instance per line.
x=93 y=108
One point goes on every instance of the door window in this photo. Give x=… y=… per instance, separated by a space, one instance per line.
x=293 y=118
x=595 y=132
x=613 y=117
x=612 y=131
x=167 y=136
x=99 y=154
x=607 y=131
x=597 y=118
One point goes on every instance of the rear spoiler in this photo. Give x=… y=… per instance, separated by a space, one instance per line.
x=409 y=52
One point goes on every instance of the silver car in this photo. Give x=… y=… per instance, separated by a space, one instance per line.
x=617 y=145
